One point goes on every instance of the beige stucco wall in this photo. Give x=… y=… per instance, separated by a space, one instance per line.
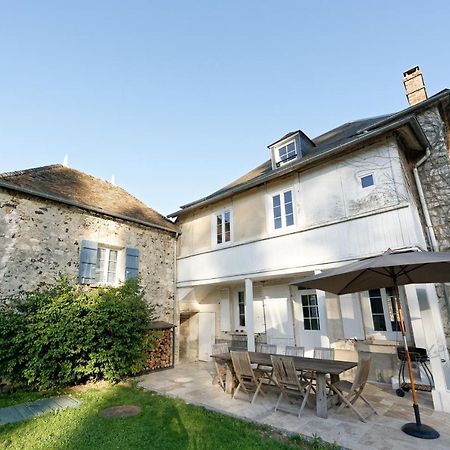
x=40 y=242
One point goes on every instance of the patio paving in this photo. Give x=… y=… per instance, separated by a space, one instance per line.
x=192 y=382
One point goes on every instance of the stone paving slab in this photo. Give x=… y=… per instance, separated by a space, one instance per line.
x=23 y=411
x=383 y=431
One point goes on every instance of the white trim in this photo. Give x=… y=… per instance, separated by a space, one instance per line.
x=302 y=292
x=119 y=263
x=214 y=216
x=276 y=152
x=269 y=211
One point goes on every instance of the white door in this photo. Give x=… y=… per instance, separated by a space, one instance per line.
x=278 y=315
x=311 y=320
x=206 y=334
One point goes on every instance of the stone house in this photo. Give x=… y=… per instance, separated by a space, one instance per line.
x=56 y=221
x=353 y=192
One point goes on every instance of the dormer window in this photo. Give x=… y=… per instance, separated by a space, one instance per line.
x=286 y=153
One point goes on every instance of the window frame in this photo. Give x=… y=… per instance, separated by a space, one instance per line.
x=237 y=312
x=390 y=333
x=308 y=292
x=271 y=215
x=278 y=160
x=364 y=175
x=214 y=228
x=118 y=262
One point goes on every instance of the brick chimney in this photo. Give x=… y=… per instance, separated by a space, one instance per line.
x=414 y=86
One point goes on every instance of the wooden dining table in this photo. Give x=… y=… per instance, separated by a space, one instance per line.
x=320 y=367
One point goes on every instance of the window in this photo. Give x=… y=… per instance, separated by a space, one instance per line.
x=241 y=308
x=283 y=210
x=286 y=153
x=310 y=307
x=106 y=271
x=384 y=310
x=367 y=181
x=100 y=264
x=223 y=227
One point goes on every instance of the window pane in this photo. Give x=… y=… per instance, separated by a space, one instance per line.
x=290 y=220
x=277 y=223
x=276 y=200
x=379 y=324
x=100 y=269
x=283 y=153
x=310 y=309
x=241 y=306
x=227 y=226
x=291 y=150
x=112 y=266
x=219 y=229
x=376 y=304
x=367 y=181
x=393 y=314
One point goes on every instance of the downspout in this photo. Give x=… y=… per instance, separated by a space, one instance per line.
x=423 y=203
x=175 y=296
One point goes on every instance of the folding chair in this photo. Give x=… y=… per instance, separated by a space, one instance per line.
x=221 y=369
x=268 y=371
x=250 y=380
x=289 y=383
x=354 y=390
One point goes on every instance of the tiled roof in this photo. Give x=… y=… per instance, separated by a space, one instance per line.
x=70 y=186
x=324 y=144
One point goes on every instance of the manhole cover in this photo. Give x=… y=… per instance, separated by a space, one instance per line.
x=183 y=380
x=121 y=411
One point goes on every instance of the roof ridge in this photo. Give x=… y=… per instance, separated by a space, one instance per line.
x=25 y=171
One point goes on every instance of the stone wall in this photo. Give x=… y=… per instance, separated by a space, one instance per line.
x=40 y=242
x=435 y=178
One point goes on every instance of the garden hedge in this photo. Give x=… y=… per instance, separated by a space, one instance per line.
x=63 y=334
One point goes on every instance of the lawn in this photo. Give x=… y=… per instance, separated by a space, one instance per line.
x=164 y=423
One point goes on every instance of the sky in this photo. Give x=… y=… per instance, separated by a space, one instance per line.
x=178 y=98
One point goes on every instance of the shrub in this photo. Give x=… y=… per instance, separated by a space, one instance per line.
x=63 y=334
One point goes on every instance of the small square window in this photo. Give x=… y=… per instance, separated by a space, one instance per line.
x=367 y=181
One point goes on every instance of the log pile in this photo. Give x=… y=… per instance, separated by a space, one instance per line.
x=159 y=356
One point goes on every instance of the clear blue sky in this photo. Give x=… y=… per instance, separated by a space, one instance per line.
x=179 y=98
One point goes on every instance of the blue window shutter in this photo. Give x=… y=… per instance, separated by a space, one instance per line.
x=131 y=263
x=88 y=262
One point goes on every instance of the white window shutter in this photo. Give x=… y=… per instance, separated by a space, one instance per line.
x=225 y=315
x=258 y=309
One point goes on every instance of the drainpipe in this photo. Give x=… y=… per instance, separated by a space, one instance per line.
x=175 y=297
x=423 y=203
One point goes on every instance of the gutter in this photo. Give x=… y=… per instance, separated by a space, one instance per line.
x=55 y=198
x=411 y=120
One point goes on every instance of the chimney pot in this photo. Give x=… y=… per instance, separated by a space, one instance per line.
x=414 y=86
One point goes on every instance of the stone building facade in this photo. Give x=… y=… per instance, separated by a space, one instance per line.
x=46 y=216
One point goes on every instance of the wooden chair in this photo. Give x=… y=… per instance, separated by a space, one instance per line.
x=249 y=379
x=324 y=353
x=354 y=390
x=290 y=384
x=268 y=371
x=221 y=369
x=294 y=351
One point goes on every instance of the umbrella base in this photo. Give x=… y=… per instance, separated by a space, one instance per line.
x=420 y=431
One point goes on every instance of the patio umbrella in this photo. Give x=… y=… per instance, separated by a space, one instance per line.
x=391 y=269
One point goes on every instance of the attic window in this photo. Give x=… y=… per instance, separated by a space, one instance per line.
x=367 y=181
x=286 y=153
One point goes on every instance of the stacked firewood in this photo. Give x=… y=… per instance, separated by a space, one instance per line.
x=159 y=355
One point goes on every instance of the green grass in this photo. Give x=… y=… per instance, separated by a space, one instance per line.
x=164 y=423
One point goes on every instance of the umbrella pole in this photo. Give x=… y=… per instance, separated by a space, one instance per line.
x=416 y=429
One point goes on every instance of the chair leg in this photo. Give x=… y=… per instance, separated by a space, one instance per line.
x=237 y=390
x=278 y=401
x=348 y=403
x=258 y=389
x=369 y=404
x=305 y=399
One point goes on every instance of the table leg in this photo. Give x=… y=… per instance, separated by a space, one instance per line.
x=334 y=378
x=229 y=381
x=321 y=396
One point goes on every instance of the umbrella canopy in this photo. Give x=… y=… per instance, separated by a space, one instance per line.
x=390 y=268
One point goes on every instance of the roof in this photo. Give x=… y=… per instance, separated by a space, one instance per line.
x=63 y=184
x=326 y=144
